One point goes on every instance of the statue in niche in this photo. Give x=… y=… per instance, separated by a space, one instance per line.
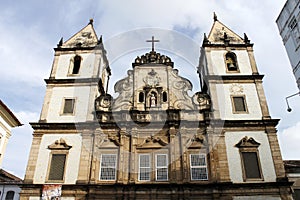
x=152 y=100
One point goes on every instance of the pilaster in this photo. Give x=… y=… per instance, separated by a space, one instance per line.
x=33 y=156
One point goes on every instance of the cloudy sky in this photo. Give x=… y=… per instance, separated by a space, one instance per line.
x=29 y=30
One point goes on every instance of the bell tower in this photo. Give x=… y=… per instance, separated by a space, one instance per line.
x=229 y=74
x=80 y=72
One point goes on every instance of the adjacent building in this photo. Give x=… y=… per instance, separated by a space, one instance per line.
x=154 y=140
x=289 y=28
x=9 y=183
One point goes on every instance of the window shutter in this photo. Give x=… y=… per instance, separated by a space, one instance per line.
x=57 y=167
x=239 y=104
x=251 y=165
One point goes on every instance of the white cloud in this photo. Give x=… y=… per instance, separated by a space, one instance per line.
x=289 y=140
x=18 y=147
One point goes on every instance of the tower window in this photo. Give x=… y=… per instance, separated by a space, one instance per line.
x=251 y=165
x=57 y=167
x=108 y=167
x=231 y=62
x=165 y=97
x=68 y=106
x=239 y=104
x=141 y=97
x=248 y=148
x=198 y=167
x=76 y=66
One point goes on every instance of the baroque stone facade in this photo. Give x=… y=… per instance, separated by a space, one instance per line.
x=154 y=140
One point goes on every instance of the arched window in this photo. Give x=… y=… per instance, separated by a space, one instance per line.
x=10 y=195
x=165 y=97
x=231 y=62
x=141 y=97
x=76 y=66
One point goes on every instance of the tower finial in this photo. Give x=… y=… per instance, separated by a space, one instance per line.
x=100 y=40
x=215 y=17
x=91 y=21
x=60 y=43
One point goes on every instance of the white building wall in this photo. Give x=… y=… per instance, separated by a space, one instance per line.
x=218 y=62
x=225 y=106
x=234 y=159
x=6 y=188
x=81 y=94
x=5 y=133
x=72 y=161
x=64 y=66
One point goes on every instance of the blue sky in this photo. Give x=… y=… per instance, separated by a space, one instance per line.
x=29 y=30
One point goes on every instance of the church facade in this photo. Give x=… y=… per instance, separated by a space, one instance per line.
x=155 y=140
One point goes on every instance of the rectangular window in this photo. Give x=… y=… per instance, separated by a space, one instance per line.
x=144 y=167
x=161 y=167
x=69 y=106
x=108 y=167
x=239 y=104
x=251 y=165
x=198 y=167
x=57 y=167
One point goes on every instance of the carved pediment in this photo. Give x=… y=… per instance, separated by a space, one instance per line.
x=59 y=145
x=247 y=142
x=196 y=142
x=152 y=142
x=109 y=141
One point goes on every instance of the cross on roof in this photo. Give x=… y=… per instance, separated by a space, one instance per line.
x=152 y=40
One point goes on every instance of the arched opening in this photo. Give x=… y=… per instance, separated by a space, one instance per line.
x=76 y=66
x=231 y=62
x=10 y=195
x=165 y=97
x=141 y=97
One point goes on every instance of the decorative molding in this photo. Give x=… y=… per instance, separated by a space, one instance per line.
x=196 y=142
x=59 y=145
x=110 y=140
x=236 y=89
x=152 y=79
x=152 y=57
x=152 y=142
x=247 y=142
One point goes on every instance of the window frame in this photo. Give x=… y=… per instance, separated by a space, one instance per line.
x=115 y=167
x=64 y=105
x=250 y=145
x=57 y=152
x=234 y=111
x=161 y=167
x=251 y=150
x=153 y=168
x=139 y=166
x=198 y=167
